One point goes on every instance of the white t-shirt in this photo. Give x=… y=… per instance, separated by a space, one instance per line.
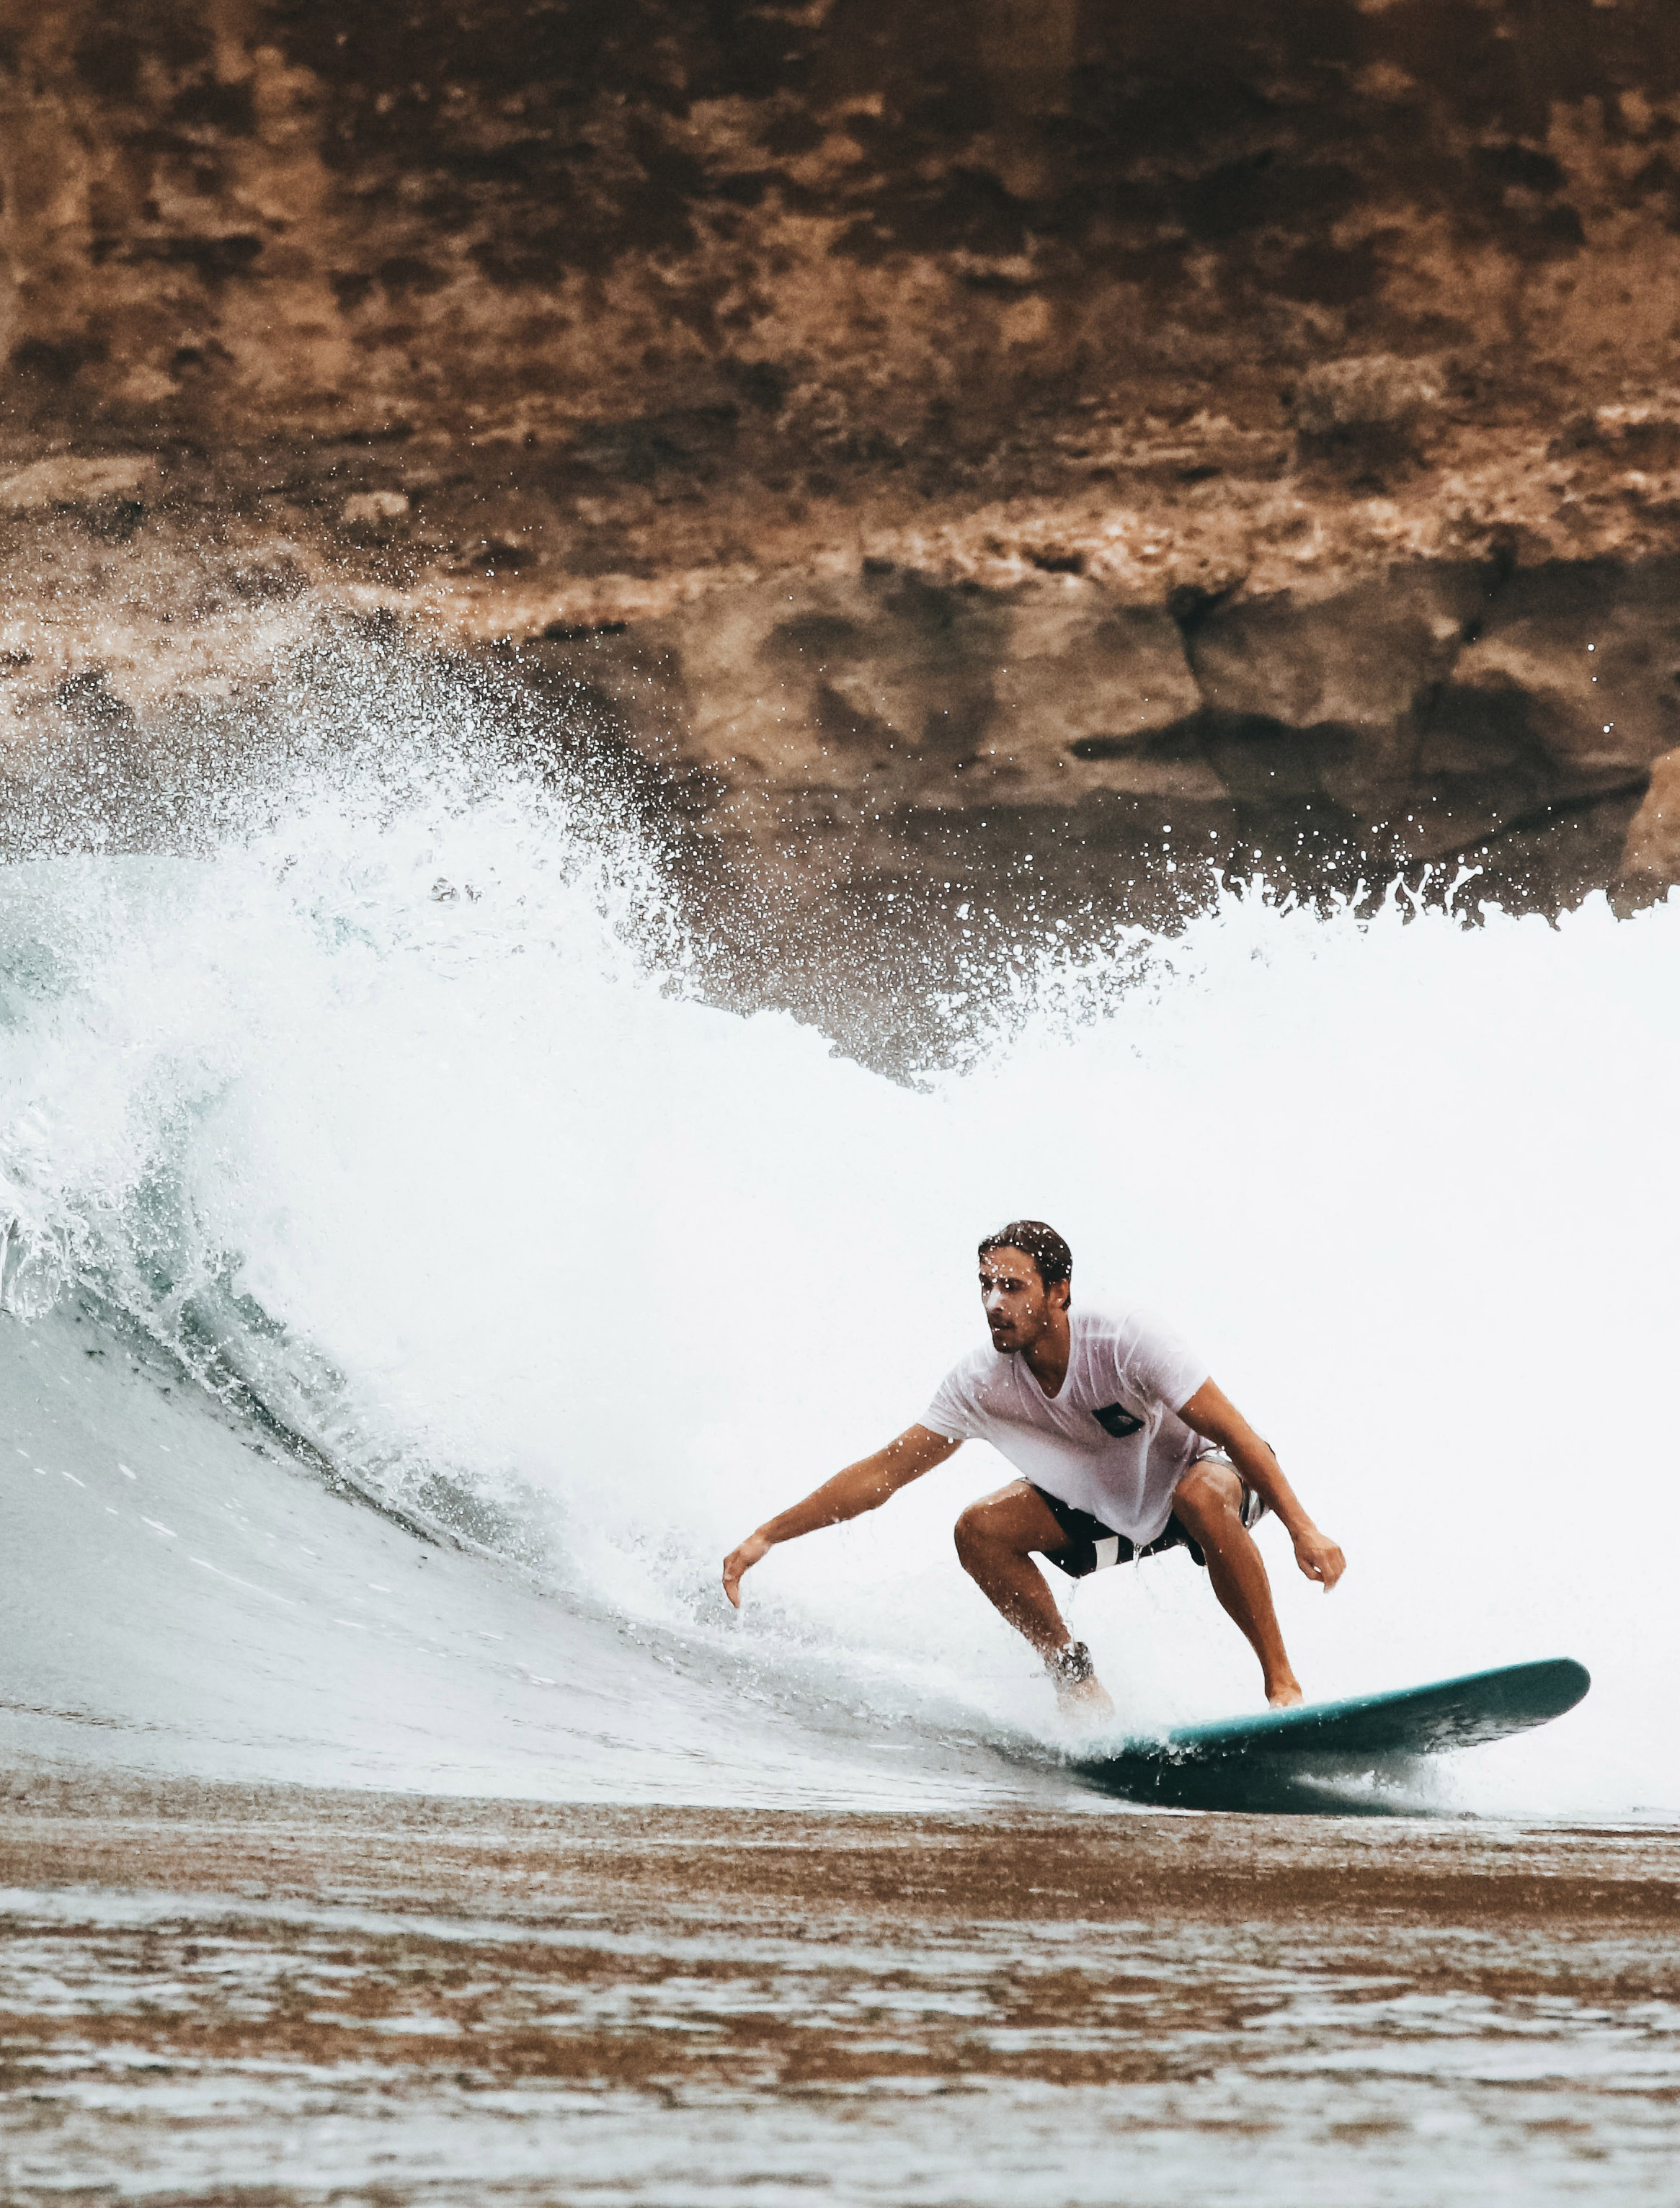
x=1112 y=1442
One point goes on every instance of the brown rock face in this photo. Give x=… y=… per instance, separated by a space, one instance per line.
x=1653 y=840
x=926 y=437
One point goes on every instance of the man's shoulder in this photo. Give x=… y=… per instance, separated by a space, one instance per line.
x=1111 y=1321
x=976 y=1367
x=1126 y=1331
x=979 y=1385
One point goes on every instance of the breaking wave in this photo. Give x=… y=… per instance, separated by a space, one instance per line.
x=395 y=1111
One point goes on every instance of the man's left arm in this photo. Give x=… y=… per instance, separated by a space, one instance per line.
x=1217 y=1418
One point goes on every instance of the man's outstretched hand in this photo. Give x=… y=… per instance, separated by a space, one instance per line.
x=740 y=1560
x=862 y=1486
x=1319 y=1557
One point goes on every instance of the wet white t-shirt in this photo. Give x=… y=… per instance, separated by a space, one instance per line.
x=1112 y=1442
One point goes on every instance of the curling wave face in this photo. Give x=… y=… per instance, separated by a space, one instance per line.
x=399 y=1120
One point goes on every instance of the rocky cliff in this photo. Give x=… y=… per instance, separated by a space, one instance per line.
x=1003 y=440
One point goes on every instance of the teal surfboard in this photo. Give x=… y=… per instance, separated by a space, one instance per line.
x=1302 y=1758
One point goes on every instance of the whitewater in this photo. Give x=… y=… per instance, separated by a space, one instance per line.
x=414 y=1283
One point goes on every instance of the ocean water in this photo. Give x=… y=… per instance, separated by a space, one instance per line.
x=384 y=1202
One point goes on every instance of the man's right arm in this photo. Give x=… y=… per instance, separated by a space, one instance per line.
x=862 y=1486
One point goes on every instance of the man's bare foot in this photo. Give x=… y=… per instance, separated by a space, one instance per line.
x=1088 y=1704
x=1080 y=1694
x=1284 y=1694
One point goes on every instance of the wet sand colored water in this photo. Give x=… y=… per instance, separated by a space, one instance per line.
x=279 y=1995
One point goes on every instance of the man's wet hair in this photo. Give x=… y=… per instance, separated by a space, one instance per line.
x=1034 y=1240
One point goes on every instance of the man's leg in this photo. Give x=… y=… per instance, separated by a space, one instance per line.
x=1208 y=1504
x=995 y=1538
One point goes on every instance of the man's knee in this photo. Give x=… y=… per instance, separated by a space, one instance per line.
x=970 y=1531
x=1207 y=1493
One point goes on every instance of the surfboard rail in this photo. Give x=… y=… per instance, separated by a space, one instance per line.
x=1259 y=1759
x=1465 y=1711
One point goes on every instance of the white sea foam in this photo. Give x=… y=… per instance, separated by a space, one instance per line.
x=406 y=1108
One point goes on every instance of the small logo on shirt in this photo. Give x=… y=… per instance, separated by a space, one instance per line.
x=1115 y=1419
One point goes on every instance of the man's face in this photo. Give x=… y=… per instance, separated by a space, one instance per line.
x=1019 y=1309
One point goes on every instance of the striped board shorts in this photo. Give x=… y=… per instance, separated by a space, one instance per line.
x=1090 y=1546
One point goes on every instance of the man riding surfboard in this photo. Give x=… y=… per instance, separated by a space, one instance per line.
x=1126 y=1448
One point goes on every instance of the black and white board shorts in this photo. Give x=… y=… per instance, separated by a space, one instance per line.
x=1091 y=1547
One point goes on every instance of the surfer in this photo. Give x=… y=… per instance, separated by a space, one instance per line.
x=1126 y=1449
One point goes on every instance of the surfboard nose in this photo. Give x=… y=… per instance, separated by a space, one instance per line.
x=1572 y=1681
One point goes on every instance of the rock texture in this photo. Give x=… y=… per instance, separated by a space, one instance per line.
x=1652 y=856
x=1028 y=440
